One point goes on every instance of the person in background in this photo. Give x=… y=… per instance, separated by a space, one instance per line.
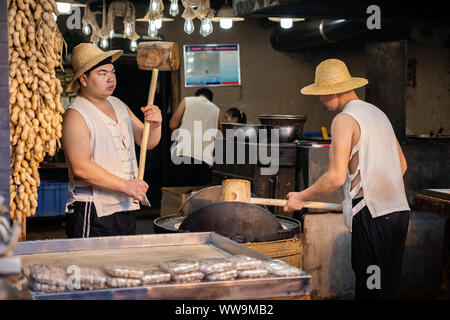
x=367 y=159
x=234 y=115
x=194 y=112
x=99 y=133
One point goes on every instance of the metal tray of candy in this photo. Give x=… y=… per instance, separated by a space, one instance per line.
x=141 y=250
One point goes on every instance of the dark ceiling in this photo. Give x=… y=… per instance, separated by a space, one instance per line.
x=96 y=4
x=429 y=10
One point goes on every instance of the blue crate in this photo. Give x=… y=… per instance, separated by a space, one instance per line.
x=52 y=198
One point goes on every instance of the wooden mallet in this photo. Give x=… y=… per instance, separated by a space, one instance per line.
x=240 y=190
x=156 y=56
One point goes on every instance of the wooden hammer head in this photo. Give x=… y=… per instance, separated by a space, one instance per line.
x=236 y=190
x=164 y=56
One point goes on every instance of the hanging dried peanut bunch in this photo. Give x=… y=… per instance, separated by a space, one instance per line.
x=35 y=50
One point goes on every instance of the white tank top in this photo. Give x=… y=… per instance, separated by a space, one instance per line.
x=112 y=147
x=200 y=113
x=379 y=165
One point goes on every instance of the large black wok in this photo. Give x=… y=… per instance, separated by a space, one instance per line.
x=242 y=222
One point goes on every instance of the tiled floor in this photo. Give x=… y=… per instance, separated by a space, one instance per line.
x=43 y=228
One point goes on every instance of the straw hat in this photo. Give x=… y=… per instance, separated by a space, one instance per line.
x=84 y=57
x=332 y=77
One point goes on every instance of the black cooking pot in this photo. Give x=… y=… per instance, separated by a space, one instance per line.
x=290 y=126
x=243 y=132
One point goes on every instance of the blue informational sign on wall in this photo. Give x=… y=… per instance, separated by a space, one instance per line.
x=211 y=65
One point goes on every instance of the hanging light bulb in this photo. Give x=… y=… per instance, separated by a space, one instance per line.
x=206 y=27
x=210 y=26
x=173 y=11
x=128 y=29
x=154 y=6
x=203 y=28
x=226 y=23
x=188 y=25
x=226 y=17
x=286 y=23
x=112 y=33
x=158 y=23
x=104 y=43
x=86 y=29
x=133 y=45
x=152 y=30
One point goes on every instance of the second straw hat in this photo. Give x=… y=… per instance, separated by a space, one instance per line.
x=332 y=77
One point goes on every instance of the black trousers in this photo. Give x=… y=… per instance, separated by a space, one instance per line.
x=82 y=222
x=378 y=243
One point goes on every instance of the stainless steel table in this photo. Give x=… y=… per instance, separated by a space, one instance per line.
x=146 y=250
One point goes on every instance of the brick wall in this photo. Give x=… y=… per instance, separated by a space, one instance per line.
x=4 y=104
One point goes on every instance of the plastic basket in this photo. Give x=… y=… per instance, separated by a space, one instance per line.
x=52 y=198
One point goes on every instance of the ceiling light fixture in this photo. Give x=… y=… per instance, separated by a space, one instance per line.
x=155 y=21
x=174 y=9
x=285 y=23
x=226 y=17
x=201 y=10
x=63 y=7
x=206 y=27
x=101 y=34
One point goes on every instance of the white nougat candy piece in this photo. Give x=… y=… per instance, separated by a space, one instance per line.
x=114 y=282
x=53 y=276
x=222 y=276
x=92 y=278
x=124 y=272
x=282 y=269
x=179 y=266
x=195 y=276
x=214 y=265
x=243 y=262
x=155 y=276
x=253 y=273
x=48 y=288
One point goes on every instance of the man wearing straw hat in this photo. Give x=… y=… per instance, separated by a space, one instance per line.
x=99 y=133
x=366 y=158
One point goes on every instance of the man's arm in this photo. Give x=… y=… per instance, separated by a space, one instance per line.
x=342 y=131
x=403 y=164
x=153 y=114
x=77 y=152
x=175 y=121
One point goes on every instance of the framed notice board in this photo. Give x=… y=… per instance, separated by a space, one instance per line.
x=211 y=65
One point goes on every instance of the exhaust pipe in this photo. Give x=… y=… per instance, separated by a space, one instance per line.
x=315 y=33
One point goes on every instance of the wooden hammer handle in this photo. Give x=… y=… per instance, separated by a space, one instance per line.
x=144 y=141
x=308 y=204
